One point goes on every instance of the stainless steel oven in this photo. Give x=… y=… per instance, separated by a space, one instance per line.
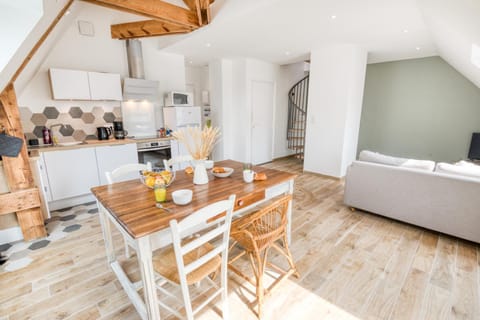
x=154 y=151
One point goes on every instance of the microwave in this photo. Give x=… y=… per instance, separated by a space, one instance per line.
x=178 y=99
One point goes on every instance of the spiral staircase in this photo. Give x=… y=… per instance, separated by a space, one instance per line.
x=297 y=116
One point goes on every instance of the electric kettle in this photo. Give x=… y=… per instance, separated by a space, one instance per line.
x=103 y=133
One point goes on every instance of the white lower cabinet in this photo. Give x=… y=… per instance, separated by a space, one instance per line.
x=71 y=172
x=68 y=175
x=111 y=157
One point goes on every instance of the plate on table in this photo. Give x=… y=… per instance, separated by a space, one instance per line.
x=222 y=172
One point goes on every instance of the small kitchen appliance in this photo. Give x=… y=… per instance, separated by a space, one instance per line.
x=118 y=131
x=103 y=133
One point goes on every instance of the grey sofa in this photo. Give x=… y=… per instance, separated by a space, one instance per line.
x=433 y=200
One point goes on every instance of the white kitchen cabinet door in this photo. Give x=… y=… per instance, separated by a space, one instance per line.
x=69 y=84
x=105 y=86
x=111 y=157
x=71 y=173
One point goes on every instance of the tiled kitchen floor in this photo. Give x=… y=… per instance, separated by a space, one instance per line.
x=62 y=223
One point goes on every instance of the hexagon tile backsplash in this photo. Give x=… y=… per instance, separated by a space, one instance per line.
x=78 y=125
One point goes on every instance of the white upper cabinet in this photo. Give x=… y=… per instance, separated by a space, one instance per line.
x=105 y=86
x=83 y=85
x=69 y=84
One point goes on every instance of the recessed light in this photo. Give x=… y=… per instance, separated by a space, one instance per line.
x=67 y=12
x=405 y=30
x=333 y=17
x=208 y=44
x=191 y=62
x=287 y=53
x=417 y=48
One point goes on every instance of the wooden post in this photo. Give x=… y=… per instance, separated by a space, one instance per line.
x=17 y=170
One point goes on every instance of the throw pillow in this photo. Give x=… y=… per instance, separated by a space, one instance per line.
x=467 y=171
x=419 y=164
x=370 y=156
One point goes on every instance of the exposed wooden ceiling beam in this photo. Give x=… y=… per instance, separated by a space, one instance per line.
x=147 y=28
x=155 y=9
x=201 y=8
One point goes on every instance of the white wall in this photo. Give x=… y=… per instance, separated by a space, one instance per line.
x=104 y=54
x=198 y=78
x=220 y=75
x=337 y=75
x=288 y=75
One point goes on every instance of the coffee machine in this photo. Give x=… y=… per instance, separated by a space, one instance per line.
x=118 y=131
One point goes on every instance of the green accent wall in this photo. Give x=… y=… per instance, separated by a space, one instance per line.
x=419 y=108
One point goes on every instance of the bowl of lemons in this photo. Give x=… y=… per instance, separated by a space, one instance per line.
x=157 y=176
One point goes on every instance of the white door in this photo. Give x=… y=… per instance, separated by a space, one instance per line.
x=262 y=121
x=112 y=157
x=71 y=173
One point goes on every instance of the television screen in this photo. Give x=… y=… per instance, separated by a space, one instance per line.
x=474 y=153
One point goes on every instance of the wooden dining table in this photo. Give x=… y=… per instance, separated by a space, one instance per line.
x=130 y=207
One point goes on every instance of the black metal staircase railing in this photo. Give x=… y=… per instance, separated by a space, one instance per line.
x=297 y=116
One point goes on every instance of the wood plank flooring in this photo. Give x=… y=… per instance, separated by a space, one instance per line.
x=353 y=265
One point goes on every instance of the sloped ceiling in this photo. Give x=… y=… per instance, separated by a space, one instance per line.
x=285 y=31
x=455 y=29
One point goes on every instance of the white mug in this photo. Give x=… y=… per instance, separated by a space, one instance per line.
x=248 y=175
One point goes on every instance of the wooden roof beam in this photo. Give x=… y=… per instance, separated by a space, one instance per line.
x=201 y=8
x=154 y=9
x=147 y=28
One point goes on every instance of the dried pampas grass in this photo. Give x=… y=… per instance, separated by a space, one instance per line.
x=199 y=142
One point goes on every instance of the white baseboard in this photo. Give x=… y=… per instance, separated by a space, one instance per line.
x=70 y=202
x=10 y=235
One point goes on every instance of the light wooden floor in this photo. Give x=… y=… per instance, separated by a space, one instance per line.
x=353 y=265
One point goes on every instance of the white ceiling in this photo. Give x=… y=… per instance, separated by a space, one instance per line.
x=268 y=29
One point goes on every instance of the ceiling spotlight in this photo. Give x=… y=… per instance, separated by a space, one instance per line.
x=191 y=62
x=405 y=30
x=208 y=44
x=287 y=53
x=417 y=48
x=333 y=17
x=67 y=12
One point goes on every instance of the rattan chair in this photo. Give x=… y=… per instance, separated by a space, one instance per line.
x=193 y=259
x=257 y=233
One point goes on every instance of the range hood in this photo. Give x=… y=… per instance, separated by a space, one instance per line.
x=136 y=87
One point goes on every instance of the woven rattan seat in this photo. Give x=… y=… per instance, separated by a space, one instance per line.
x=257 y=233
x=165 y=264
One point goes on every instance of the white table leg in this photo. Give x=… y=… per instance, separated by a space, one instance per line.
x=148 y=277
x=289 y=213
x=107 y=232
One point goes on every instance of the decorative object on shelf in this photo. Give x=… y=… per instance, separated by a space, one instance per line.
x=199 y=143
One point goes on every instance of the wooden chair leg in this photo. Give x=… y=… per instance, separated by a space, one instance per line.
x=289 y=257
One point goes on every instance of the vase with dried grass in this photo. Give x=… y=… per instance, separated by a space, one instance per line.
x=199 y=143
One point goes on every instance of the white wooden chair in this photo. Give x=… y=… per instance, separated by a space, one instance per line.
x=120 y=173
x=177 y=163
x=192 y=259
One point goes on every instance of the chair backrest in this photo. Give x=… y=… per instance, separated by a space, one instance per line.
x=267 y=224
x=199 y=221
x=177 y=163
x=117 y=174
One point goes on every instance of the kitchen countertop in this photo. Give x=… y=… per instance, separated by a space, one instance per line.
x=35 y=150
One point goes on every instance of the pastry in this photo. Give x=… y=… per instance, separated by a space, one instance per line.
x=260 y=176
x=189 y=170
x=218 y=170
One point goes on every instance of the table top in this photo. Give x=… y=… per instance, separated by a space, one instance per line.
x=132 y=204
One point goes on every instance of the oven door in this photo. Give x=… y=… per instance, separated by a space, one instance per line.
x=155 y=156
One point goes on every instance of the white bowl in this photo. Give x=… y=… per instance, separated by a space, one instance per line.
x=182 y=196
x=227 y=173
x=208 y=164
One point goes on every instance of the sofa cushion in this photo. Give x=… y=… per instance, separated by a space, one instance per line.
x=370 y=156
x=376 y=157
x=463 y=163
x=427 y=165
x=468 y=171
